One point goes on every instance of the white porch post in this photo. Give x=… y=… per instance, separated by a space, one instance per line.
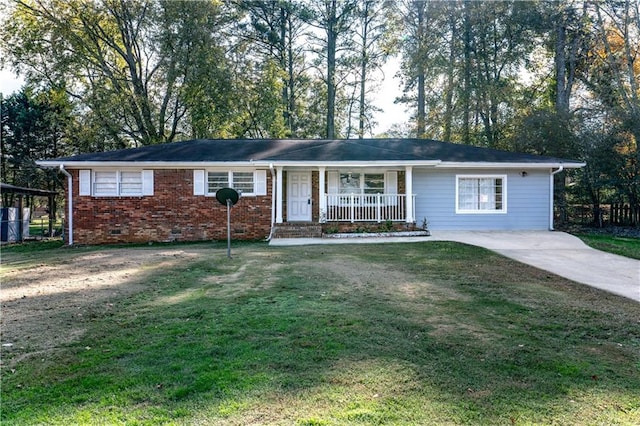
x=408 y=179
x=321 y=197
x=279 y=195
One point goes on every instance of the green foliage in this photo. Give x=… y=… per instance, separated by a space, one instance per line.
x=35 y=124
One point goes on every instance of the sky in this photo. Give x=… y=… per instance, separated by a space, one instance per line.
x=9 y=82
x=389 y=89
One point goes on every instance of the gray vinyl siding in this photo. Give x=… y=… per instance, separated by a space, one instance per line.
x=527 y=201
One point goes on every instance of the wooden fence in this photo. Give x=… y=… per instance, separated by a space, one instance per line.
x=618 y=214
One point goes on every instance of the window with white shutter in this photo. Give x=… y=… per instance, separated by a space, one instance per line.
x=247 y=183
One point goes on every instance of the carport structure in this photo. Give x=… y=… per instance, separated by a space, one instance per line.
x=6 y=188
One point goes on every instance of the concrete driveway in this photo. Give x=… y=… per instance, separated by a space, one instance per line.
x=560 y=253
x=557 y=252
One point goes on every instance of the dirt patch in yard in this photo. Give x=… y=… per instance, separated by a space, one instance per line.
x=47 y=305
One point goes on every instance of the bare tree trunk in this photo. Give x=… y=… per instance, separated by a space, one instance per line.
x=363 y=69
x=422 y=116
x=448 y=112
x=331 y=68
x=466 y=84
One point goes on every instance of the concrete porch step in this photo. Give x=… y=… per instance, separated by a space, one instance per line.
x=297 y=230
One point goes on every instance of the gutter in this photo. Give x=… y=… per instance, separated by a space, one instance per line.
x=553 y=173
x=70 y=202
x=273 y=200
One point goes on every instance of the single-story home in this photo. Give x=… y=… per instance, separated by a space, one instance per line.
x=167 y=192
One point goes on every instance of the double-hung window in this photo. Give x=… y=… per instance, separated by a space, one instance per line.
x=481 y=194
x=361 y=183
x=116 y=183
x=243 y=182
x=248 y=183
x=362 y=188
x=216 y=181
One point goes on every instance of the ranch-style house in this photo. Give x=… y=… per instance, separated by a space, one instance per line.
x=167 y=192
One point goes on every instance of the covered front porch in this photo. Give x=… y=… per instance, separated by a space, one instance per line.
x=344 y=195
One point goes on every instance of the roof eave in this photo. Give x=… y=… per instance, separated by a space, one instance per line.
x=385 y=163
x=144 y=164
x=250 y=163
x=276 y=163
x=508 y=165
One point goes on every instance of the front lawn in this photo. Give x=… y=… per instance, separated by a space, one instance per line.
x=416 y=333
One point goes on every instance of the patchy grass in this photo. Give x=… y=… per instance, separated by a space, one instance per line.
x=623 y=246
x=425 y=333
x=29 y=247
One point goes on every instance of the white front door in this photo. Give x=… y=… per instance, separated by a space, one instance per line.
x=298 y=196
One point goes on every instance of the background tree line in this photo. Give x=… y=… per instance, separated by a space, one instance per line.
x=546 y=77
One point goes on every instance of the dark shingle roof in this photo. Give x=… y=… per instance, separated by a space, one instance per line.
x=317 y=150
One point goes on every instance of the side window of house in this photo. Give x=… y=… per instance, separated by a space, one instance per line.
x=481 y=194
x=105 y=184
x=116 y=183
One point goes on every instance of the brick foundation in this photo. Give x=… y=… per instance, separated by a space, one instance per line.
x=173 y=213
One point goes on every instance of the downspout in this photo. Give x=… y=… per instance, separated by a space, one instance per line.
x=70 y=202
x=561 y=168
x=273 y=200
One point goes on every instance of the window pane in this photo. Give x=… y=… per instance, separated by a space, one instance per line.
x=498 y=193
x=480 y=194
x=374 y=183
x=105 y=183
x=243 y=182
x=487 y=200
x=216 y=181
x=467 y=194
x=131 y=183
x=350 y=183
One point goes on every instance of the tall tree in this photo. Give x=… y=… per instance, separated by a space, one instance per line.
x=276 y=29
x=614 y=76
x=333 y=20
x=130 y=63
x=416 y=50
x=370 y=37
x=35 y=125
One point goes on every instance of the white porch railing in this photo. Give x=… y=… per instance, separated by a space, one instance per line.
x=367 y=207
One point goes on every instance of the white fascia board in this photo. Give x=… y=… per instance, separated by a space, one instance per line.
x=354 y=164
x=484 y=165
x=147 y=164
x=227 y=164
x=266 y=164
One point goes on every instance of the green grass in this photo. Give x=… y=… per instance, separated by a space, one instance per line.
x=623 y=246
x=425 y=333
x=40 y=227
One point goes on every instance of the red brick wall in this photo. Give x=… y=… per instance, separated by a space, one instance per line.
x=173 y=213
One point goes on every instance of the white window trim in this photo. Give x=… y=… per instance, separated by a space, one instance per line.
x=342 y=199
x=388 y=181
x=482 y=212
x=88 y=188
x=259 y=182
